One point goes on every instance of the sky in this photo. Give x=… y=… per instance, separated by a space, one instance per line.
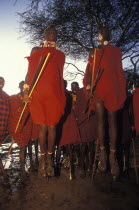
x=13 y=65
x=13 y=48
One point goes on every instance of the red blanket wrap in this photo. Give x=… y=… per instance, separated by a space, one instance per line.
x=48 y=98
x=88 y=129
x=68 y=131
x=23 y=134
x=111 y=88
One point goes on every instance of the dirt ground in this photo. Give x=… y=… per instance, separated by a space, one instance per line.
x=59 y=193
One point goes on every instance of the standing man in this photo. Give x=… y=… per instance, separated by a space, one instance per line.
x=109 y=94
x=24 y=132
x=4 y=114
x=48 y=98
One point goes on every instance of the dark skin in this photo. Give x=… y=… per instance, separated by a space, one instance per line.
x=112 y=121
x=22 y=153
x=112 y=116
x=2 y=82
x=47 y=134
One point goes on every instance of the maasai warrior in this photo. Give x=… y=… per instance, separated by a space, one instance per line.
x=87 y=127
x=68 y=130
x=4 y=114
x=109 y=94
x=24 y=131
x=135 y=96
x=48 y=98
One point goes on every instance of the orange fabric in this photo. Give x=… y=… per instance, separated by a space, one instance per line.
x=48 y=98
x=136 y=108
x=111 y=88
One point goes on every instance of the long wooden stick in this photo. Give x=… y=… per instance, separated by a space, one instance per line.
x=42 y=68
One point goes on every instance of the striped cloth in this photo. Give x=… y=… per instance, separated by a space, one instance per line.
x=4 y=114
x=24 y=131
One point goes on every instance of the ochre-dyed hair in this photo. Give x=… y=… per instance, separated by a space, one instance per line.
x=105 y=32
x=50 y=30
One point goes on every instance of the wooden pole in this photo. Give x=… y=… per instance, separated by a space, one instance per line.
x=38 y=77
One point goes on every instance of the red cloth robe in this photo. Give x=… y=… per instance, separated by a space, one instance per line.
x=68 y=131
x=4 y=114
x=48 y=98
x=88 y=129
x=136 y=109
x=24 y=131
x=111 y=88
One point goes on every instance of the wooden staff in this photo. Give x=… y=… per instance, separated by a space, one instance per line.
x=92 y=83
x=38 y=77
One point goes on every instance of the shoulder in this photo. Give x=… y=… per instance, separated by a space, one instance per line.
x=34 y=49
x=114 y=48
x=5 y=95
x=13 y=97
x=60 y=53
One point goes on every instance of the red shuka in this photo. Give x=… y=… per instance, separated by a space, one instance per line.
x=23 y=134
x=87 y=128
x=111 y=88
x=136 y=108
x=48 y=98
x=68 y=131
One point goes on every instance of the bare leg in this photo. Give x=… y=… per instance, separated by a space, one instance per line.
x=112 y=118
x=91 y=148
x=70 y=152
x=51 y=146
x=30 y=153
x=22 y=161
x=43 y=149
x=82 y=158
x=42 y=138
x=4 y=174
x=51 y=138
x=36 y=154
x=100 y=112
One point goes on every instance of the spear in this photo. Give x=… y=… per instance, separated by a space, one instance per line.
x=31 y=91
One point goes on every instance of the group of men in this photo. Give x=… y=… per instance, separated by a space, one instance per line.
x=57 y=117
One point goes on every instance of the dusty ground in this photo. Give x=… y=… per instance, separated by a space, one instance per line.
x=59 y=193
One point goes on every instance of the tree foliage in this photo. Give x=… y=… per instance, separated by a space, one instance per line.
x=78 y=21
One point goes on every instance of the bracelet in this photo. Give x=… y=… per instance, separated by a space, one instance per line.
x=25 y=87
x=88 y=87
